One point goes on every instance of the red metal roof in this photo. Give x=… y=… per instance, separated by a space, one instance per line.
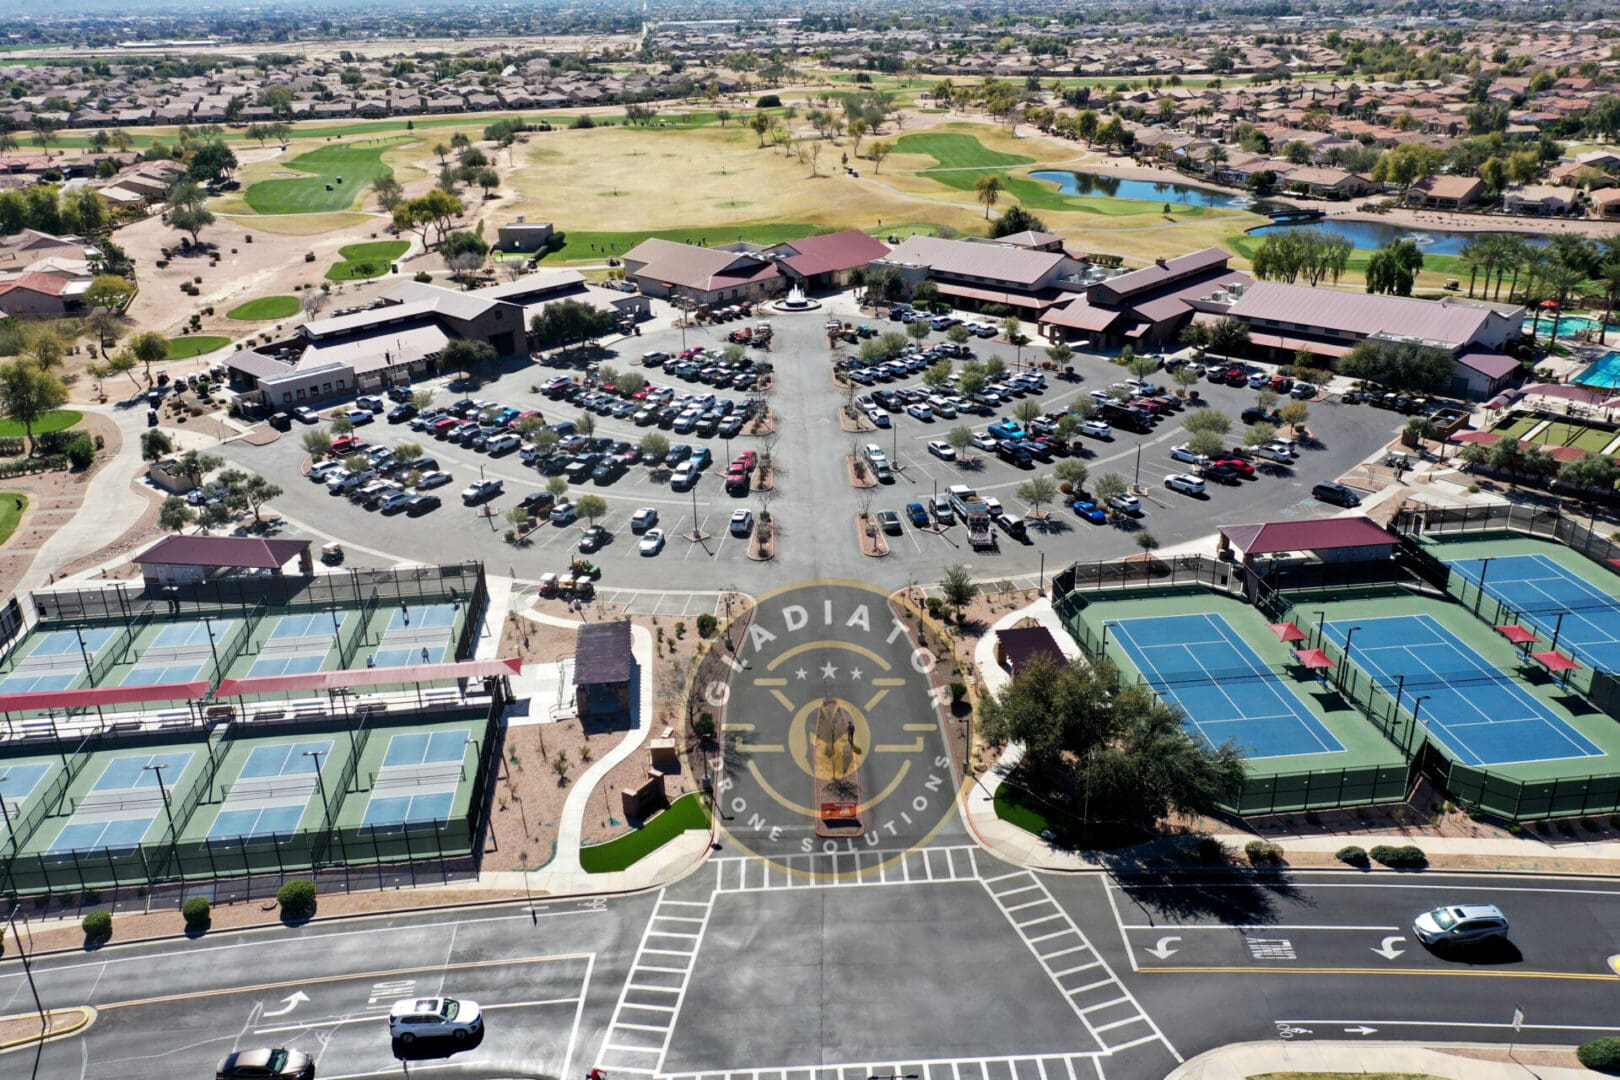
x=238 y=551
x=383 y=676
x=90 y=697
x=1322 y=534
x=833 y=251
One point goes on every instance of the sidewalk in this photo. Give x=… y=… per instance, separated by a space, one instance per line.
x=1240 y=1061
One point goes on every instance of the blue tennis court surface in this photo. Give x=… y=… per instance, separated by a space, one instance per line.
x=154 y=674
x=283 y=759
x=426 y=748
x=17 y=783
x=1474 y=710
x=132 y=771
x=296 y=664
x=410 y=654
x=409 y=809
x=1201 y=664
x=300 y=626
x=193 y=633
x=257 y=821
x=424 y=618
x=85 y=835
x=28 y=682
x=1539 y=590
x=66 y=643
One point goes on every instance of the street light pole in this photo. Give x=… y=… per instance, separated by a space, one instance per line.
x=28 y=971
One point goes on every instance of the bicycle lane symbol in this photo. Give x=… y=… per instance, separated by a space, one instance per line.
x=1289 y=1031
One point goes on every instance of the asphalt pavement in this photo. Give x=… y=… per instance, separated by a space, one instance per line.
x=814 y=504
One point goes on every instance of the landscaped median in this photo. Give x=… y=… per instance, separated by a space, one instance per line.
x=687 y=812
x=23 y=1029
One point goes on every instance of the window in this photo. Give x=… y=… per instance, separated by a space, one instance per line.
x=340 y=384
x=326 y=388
x=300 y=393
x=286 y=395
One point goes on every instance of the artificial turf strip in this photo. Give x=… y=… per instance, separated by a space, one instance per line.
x=265 y=307
x=184 y=348
x=367 y=260
x=687 y=812
x=55 y=420
x=346 y=168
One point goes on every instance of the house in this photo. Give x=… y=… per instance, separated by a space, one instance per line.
x=1445 y=193
x=1335 y=539
x=1481 y=375
x=827 y=261
x=1606 y=204
x=1330 y=183
x=604 y=668
x=191 y=560
x=975 y=273
x=701 y=275
x=534 y=292
x=1146 y=307
x=521 y=236
x=1539 y=200
x=42 y=295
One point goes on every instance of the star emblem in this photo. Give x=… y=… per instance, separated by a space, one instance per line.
x=855 y=673
x=828 y=671
x=800 y=674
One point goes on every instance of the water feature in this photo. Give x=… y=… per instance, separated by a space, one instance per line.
x=796 y=301
x=1569 y=326
x=1375 y=234
x=1604 y=372
x=1153 y=191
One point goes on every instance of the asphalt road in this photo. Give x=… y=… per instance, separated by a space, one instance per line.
x=941 y=961
x=815 y=505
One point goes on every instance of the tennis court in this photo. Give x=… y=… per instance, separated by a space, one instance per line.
x=272 y=791
x=1477 y=712
x=1551 y=597
x=17 y=783
x=1201 y=664
x=180 y=651
x=56 y=662
x=121 y=806
x=418 y=779
x=416 y=636
x=299 y=644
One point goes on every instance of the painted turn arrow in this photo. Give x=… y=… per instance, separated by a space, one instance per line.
x=1363 y=1030
x=1162 y=950
x=1387 y=948
x=293 y=1000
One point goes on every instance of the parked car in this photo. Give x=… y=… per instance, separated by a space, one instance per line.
x=889 y=521
x=1185 y=483
x=1337 y=494
x=1126 y=504
x=1097 y=429
x=306 y=415
x=360 y=416
x=1184 y=453
x=942 y=449
x=592 y=539
x=432 y=479
x=643 y=519
x=421 y=504
x=917 y=514
x=1012 y=526
x=685 y=475
x=742 y=522
x=920 y=411
x=652 y=542
x=426 y=1018
x=277 y=1063
x=480 y=490
x=1090 y=511
x=563 y=513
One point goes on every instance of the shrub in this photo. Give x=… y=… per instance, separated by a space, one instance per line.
x=1405 y=857
x=195 y=912
x=1211 y=850
x=1351 y=855
x=958 y=692
x=297 y=898
x=423 y=276
x=1262 y=853
x=1601 y=1055
x=97 y=924
x=1515 y=829
x=706 y=625
x=703 y=726
x=81 y=452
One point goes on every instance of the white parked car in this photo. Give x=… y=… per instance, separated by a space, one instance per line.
x=432 y=480
x=942 y=449
x=427 y=1018
x=992 y=504
x=643 y=519
x=942 y=407
x=1126 y=504
x=395 y=501
x=652 y=542
x=1184 y=483
x=319 y=473
x=1097 y=429
x=1274 y=452
x=984 y=441
x=479 y=490
x=685 y=475
x=742 y=522
x=1182 y=453
x=920 y=411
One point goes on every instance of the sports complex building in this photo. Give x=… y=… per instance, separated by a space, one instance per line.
x=1478 y=651
x=207 y=733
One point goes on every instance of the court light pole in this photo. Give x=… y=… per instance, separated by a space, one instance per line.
x=1321 y=622
x=11 y=836
x=1484 y=565
x=212 y=648
x=78 y=633
x=1411 y=734
x=1104 y=650
x=1348 y=635
x=326 y=807
x=1557 y=627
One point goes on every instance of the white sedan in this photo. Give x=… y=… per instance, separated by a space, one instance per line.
x=652 y=541
x=942 y=449
x=920 y=411
x=984 y=441
x=1184 y=453
x=432 y=480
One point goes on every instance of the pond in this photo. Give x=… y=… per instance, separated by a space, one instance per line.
x=1375 y=234
x=1085 y=183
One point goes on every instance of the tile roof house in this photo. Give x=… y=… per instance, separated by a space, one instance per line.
x=827 y=260
x=984 y=271
x=1445 y=192
x=701 y=275
x=1149 y=306
x=42 y=295
x=190 y=559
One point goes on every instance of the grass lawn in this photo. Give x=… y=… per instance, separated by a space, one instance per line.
x=1245 y=244
x=367 y=260
x=12 y=505
x=904 y=229
x=956 y=151
x=595 y=246
x=1017 y=806
x=184 y=348
x=55 y=420
x=687 y=812
x=347 y=168
x=265 y=307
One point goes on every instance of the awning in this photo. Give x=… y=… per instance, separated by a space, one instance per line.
x=1555 y=660
x=1313 y=658
x=101 y=696
x=1286 y=631
x=1516 y=633
x=382 y=676
x=1293 y=344
x=998 y=296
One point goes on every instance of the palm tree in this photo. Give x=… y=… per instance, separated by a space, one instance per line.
x=988 y=191
x=1214 y=156
x=1608 y=275
x=1559 y=281
x=1515 y=255
x=1476 y=256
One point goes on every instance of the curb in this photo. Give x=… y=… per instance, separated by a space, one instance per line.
x=87 y=1016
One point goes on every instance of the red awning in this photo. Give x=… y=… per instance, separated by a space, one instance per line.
x=1517 y=634
x=382 y=676
x=1314 y=658
x=1555 y=660
x=1286 y=631
x=102 y=696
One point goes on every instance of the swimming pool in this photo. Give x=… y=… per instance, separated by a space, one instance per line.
x=1604 y=372
x=1569 y=326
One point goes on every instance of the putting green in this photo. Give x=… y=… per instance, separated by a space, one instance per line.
x=265 y=307
x=55 y=420
x=339 y=176
x=183 y=348
x=12 y=505
x=952 y=151
x=367 y=260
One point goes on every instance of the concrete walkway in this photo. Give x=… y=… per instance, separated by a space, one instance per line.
x=1240 y=1061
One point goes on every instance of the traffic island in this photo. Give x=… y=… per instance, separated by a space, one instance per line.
x=860 y=475
x=836 y=784
x=870 y=536
x=763 y=547
x=856 y=424
x=27 y=1029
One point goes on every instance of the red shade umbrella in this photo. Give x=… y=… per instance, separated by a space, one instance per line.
x=1286 y=631
x=1555 y=660
x=1515 y=633
x=1314 y=658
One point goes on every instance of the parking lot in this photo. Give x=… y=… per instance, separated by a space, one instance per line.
x=813 y=505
